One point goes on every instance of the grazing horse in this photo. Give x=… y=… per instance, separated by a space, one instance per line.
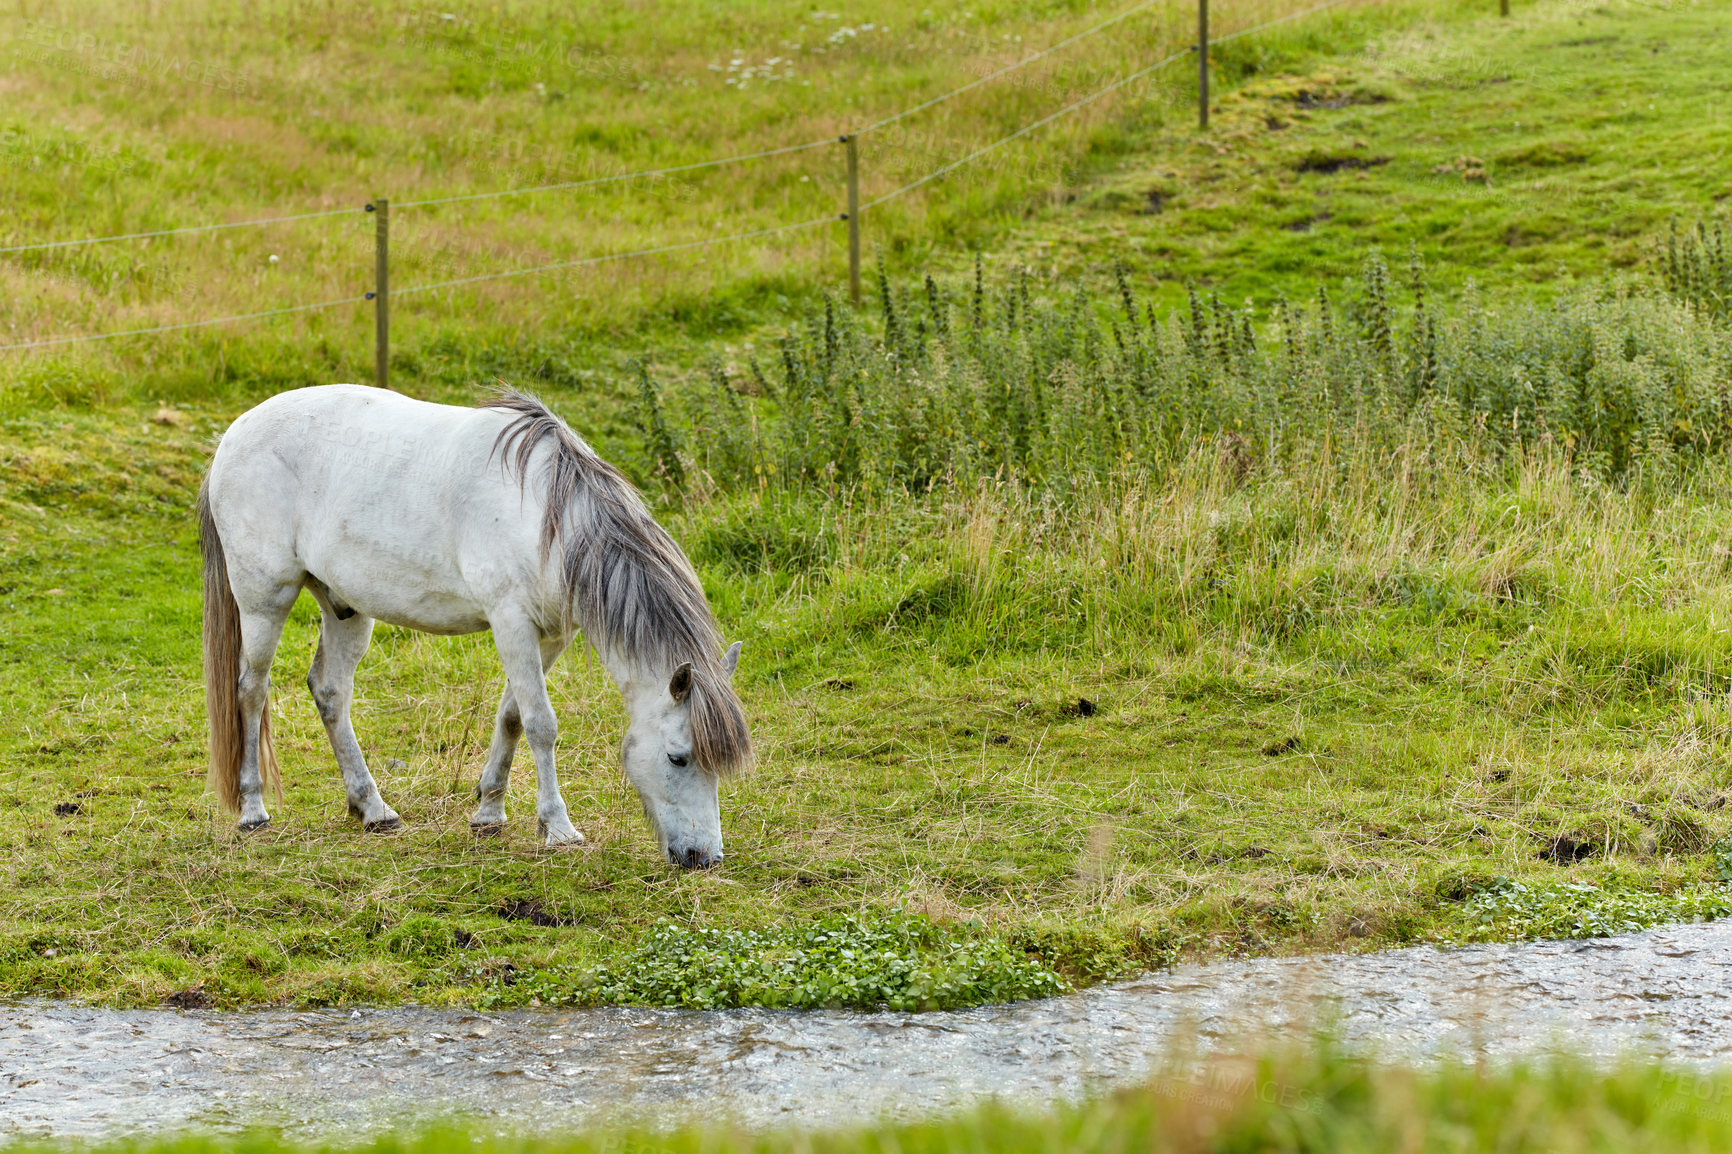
x=453 y=520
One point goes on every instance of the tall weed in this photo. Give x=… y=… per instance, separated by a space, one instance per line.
x=1052 y=387
x=1697 y=267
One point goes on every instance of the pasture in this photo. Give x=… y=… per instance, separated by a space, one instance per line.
x=1305 y=636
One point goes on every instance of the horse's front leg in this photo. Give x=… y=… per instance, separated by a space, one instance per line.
x=526 y=657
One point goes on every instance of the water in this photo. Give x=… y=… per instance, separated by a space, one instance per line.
x=66 y=1070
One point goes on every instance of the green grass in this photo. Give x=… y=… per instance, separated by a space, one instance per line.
x=1318 y=1102
x=1406 y=694
x=114 y=125
x=1270 y=694
x=1589 y=123
x=1527 y=156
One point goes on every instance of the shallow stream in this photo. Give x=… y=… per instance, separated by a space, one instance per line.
x=68 y=1070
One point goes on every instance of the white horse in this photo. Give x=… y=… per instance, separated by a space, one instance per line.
x=453 y=520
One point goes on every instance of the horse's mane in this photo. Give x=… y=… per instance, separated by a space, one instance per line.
x=623 y=580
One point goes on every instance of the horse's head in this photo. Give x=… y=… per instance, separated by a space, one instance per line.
x=672 y=759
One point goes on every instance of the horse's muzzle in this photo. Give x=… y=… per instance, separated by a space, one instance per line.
x=693 y=858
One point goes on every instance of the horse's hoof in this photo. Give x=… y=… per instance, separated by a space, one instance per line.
x=556 y=841
x=383 y=825
x=254 y=826
x=487 y=828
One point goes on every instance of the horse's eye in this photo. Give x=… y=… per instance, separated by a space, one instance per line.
x=676 y=760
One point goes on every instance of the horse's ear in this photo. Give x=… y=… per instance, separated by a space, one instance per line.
x=731 y=660
x=680 y=684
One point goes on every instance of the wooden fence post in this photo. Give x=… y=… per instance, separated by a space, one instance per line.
x=381 y=293
x=851 y=141
x=1203 y=63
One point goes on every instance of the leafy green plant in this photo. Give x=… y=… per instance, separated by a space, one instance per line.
x=660 y=443
x=1056 y=388
x=1504 y=909
x=1697 y=267
x=901 y=964
x=1722 y=852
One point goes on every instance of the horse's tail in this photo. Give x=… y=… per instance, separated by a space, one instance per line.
x=222 y=672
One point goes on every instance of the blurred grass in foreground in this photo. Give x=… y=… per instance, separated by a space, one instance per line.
x=1319 y=1102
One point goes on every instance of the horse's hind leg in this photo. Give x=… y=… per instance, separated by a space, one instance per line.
x=342 y=643
x=507 y=728
x=261 y=624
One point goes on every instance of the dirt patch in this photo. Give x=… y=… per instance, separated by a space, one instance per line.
x=1330 y=163
x=1707 y=800
x=1244 y=853
x=531 y=911
x=1470 y=168
x=1545 y=154
x=1307 y=223
x=1680 y=833
x=1330 y=99
x=1568 y=849
x=191 y=998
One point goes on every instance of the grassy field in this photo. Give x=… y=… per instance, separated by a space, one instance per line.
x=182 y=115
x=1288 y=679
x=1523 y=156
x=1309 y=1103
x=1527 y=152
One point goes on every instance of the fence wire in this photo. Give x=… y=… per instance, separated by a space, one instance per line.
x=1278 y=20
x=186 y=325
x=1009 y=68
x=662 y=249
x=1027 y=128
x=612 y=256
x=621 y=177
x=178 y=231
x=1090 y=99
x=624 y=176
